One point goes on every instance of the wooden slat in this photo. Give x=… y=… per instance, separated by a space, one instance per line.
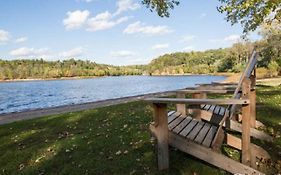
x=195 y=130
x=211 y=109
x=203 y=106
x=210 y=156
x=202 y=134
x=217 y=110
x=183 y=124
x=207 y=107
x=209 y=138
x=222 y=111
x=188 y=128
x=175 y=122
x=173 y=117
x=170 y=113
x=209 y=91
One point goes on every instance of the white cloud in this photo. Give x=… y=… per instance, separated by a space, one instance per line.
x=75 y=52
x=160 y=46
x=21 y=40
x=4 y=36
x=122 y=54
x=188 y=48
x=30 y=52
x=139 y=27
x=125 y=5
x=76 y=19
x=188 y=38
x=103 y=21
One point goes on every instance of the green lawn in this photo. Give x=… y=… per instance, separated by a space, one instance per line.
x=111 y=140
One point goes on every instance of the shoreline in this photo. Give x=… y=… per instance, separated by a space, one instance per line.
x=42 y=112
x=49 y=79
x=90 y=77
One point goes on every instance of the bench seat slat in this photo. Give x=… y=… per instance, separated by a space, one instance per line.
x=182 y=125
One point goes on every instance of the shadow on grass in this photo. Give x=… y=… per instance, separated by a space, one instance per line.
x=110 y=140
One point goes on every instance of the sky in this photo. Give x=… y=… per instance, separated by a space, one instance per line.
x=117 y=32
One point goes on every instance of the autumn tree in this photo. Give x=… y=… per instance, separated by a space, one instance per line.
x=249 y=13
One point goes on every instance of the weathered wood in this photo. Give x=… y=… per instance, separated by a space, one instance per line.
x=175 y=122
x=195 y=130
x=202 y=134
x=196 y=113
x=209 y=156
x=217 y=109
x=182 y=125
x=188 y=128
x=173 y=116
x=234 y=125
x=210 y=136
x=198 y=101
x=212 y=108
x=205 y=91
x=253 y=107
x=246 y=119
x=218 y=140
x=181 y=107
x=236 y=142
x=206 y=107
x=160 y=115
x=222 y=111
x=170 y=113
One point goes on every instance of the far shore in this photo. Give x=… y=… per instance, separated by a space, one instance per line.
x=49 y=79
x=89 y=77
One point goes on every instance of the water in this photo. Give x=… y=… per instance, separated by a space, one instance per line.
x=21 y=96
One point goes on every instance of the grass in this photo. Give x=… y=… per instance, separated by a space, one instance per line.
x=112 y=140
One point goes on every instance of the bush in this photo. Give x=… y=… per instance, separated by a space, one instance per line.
x=273 y=69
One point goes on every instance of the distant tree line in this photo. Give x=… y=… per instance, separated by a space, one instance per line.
x=231 y=59
x=39 y=68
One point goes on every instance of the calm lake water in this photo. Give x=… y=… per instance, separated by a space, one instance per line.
x=21 y=96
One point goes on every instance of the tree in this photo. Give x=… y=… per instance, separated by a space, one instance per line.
x=249 y=13
x=162 y=7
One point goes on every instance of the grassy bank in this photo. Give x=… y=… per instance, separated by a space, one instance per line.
x=111 y=140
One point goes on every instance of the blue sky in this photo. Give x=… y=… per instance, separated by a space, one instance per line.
x=118 y=32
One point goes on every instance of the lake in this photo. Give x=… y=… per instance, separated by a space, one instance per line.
x=21 y=96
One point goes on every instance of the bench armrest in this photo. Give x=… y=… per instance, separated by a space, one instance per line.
x=198 y=101
x=208 y=91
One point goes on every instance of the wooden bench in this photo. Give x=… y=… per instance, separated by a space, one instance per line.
x=215 y=113
x=203 y=138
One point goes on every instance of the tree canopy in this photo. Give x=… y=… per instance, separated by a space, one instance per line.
x=249 y=13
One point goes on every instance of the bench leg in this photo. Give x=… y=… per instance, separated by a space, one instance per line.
x=161 y=118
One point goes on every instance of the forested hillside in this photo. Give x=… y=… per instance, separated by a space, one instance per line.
x=230 y=59
x=23 y=69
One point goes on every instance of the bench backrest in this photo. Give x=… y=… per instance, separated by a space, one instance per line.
x=250 y=66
